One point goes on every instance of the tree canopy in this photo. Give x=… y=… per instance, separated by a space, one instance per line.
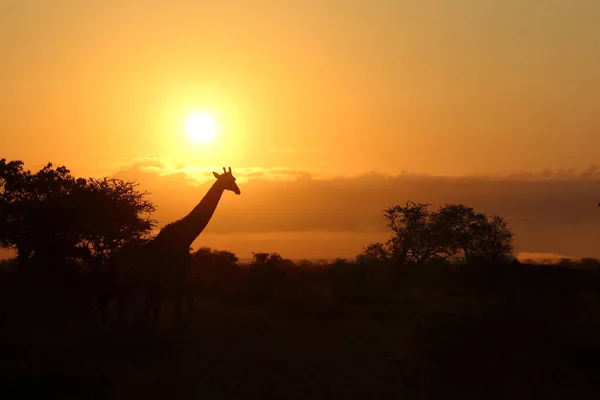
x=205 y=256
x=454 y=231
x=52 y=214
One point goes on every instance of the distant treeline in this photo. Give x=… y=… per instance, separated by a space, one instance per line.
x=66 y=231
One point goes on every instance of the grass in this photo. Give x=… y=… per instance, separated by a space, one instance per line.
x=316 y=334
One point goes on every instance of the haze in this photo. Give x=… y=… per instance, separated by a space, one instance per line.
x=328 y=111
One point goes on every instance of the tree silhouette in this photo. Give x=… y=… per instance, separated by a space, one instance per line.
x=471 y=235
x=262 y=258
x=414 y=238
x=453 y=231
x=50 y=216
x=374 y=252
x=205 y=256
x=492 y=241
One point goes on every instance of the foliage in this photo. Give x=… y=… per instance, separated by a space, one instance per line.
x=206 y=256
x=472 y=235
x=455 y=232
x=373 y=253
x=414 y=237
x=589 y=263
x=213 y=270
x=52 y=215
x=272 y=260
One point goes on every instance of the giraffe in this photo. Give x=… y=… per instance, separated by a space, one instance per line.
x=160 y=265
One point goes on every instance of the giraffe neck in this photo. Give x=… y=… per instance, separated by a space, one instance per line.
x=186 y=230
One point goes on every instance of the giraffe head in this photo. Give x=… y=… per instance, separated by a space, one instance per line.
x=227 y=181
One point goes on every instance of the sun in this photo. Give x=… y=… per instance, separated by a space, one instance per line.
x=200 y=127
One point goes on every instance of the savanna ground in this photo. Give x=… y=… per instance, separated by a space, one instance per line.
x=323 y=331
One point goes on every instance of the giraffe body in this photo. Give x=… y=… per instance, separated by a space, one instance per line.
x=156 y=270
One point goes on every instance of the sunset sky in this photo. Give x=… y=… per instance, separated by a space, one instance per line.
x=327 y=111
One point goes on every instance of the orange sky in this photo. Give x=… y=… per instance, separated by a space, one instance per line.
x=306 y=92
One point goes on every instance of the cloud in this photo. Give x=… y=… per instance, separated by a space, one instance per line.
x=287 y=151
x=552 y=211
x=303 y=214
x=193 y=175
x=523 y=256
x=592 y=172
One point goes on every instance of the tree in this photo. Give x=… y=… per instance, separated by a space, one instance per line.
x=225 y=258
x=454 y=231
x=304 y=263
x=205 y=256
x=457 y=224
x=414 y=237
x=273 y=260
x=589 y=262
x=492 y=240
x=50 y=216
x=261 y=258
x=212 y=266
x=373 y=253
x=267 y=273
x=472 y=235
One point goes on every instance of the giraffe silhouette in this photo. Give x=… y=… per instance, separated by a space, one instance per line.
x=157 y=269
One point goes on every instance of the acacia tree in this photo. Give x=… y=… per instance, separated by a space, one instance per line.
x=122 y=215
x=458 y=223
x=492 y=241
x=414 y=237
x=454 y=231
x=50 y=216
x=474 y=236
x=14 y=183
